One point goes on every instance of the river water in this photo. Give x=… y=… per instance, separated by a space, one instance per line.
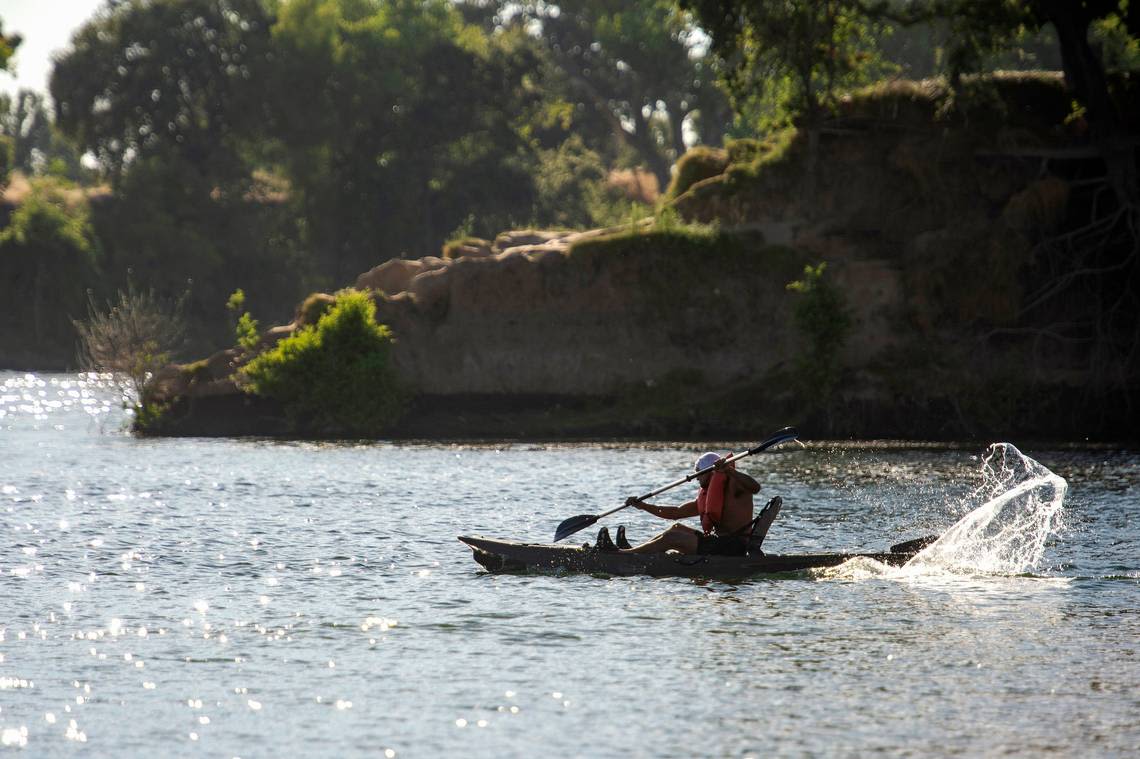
x=253 y=598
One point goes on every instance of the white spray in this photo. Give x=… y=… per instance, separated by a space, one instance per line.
x=1020 y=507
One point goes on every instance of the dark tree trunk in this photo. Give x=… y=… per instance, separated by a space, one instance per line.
x=1085 y=76
x=642 y=141
x=677 y=129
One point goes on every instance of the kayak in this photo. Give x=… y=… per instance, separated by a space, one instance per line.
x=510 y=556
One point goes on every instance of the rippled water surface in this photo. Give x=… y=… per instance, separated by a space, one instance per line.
x=252 y=598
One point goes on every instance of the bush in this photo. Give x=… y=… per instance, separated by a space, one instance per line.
x=245 y=326
x=48 y=259
x=334 y=377
x=821 y=317
x=133 y=338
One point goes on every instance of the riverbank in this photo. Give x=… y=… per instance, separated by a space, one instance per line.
x=577 y=419
x=908 y=272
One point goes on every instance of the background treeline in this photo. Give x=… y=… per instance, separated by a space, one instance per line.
x=199 y=146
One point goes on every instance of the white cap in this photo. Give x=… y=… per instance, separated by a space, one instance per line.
x=706 y=460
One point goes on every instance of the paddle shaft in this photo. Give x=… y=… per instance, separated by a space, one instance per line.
x=568 y=527
x=682 y=481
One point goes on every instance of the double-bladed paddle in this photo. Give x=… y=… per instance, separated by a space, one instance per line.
x=582 y=521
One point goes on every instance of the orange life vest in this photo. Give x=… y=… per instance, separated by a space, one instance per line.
x=710 y=501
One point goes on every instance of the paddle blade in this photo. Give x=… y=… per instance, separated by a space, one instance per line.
x=914 y=546
x=783 y=436
x=573 y=524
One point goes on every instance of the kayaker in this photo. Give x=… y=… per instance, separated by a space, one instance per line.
x=726 y=515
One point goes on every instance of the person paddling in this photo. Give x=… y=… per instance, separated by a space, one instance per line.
x=724 y=504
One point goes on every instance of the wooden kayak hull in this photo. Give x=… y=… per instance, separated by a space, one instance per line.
x=509 y=556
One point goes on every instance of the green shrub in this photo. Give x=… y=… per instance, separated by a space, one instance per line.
x=245 y=327
x=248 y=336
x=48 y=259
x=822 y=319
x=334 y=377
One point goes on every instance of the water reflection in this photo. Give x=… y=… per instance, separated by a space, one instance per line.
x=190 y=597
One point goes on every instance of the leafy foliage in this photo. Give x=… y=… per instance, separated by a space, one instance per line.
x=48 y=258
x=334 y=377
x=625 y=77
x=245 y=326
x=38 y=146
x=8 y=45
x=173 y=77
x=787 y=58
x=392 y=119
x=822 y=319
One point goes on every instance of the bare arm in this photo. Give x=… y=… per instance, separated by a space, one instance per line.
x=666 y=512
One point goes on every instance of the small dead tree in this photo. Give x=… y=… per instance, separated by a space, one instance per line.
x=132 y=338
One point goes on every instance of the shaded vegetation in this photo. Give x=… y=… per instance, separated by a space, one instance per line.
x=821 y=318
x=47 y=255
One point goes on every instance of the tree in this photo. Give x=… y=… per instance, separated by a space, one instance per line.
x=1086 y=77
x=25 y=120
x=982 y=26
x=48 y=258
x=791 y=57
x=171 y=77
x=630 y=73
x=8 y=45
x=805 y=52
x=393 y=120
x=822 y=44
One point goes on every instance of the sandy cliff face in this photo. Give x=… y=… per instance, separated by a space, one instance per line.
x=583 y=315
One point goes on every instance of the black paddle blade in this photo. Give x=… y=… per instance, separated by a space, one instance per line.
x=573 y=524
x=783 y=436
x=914 y=546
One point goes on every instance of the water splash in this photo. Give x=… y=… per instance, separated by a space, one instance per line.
x=1011 y=516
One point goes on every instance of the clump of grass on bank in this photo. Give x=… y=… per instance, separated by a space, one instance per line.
x=696 y=164
x=671 y=268
x=739 y=159
x=772 y=156
x=1036 y=101
x=454 y=248
x=334 y=377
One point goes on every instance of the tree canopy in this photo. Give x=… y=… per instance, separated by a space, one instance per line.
x=165 y=77
x=8 y=45
x=282 y=147
x=633 y=74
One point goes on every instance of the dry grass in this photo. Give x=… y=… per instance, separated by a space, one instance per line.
x=19 y=187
